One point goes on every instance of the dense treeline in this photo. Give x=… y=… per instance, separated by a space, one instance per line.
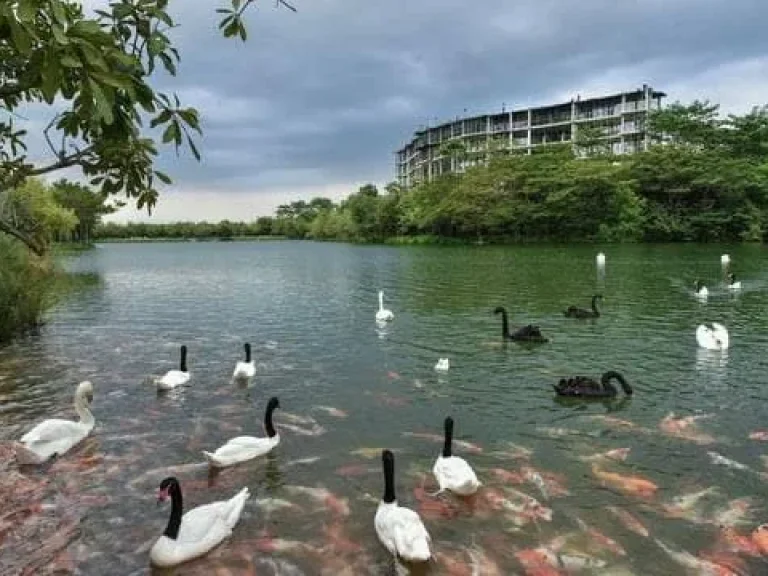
x=185 y=230
x=38 y=215
x=704 y=179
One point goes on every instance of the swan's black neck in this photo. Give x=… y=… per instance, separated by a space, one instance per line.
x=448 y=438
x=174 y=522
x=389 y=477
x=183 y=363
x=268 y=426
x=594 y=304
x=504 y=324
x=247 y=352
x=608 y=376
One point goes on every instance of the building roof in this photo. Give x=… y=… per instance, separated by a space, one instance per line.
x=422 y=131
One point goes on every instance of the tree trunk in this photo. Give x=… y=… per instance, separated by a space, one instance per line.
x=19 y=235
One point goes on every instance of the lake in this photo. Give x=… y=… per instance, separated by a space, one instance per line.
x=308 y=311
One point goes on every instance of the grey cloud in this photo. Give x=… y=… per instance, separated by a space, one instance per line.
x=325 y=96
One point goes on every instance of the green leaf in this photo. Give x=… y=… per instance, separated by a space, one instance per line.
x=163 y=16
x=20 y=37
x=89 y=29
x=243 y=33
x=191 y=118
x=51 y=77
x=232 y=29
x=163 y=177
x=156 y=45
x=93 y=57
x=171 y=133
x=70 y=61
x=59 y=35
x=59 y=14
x=226 y=22
x=236 y=5
x=114 y=80
x=168 y=63
x=102 y=102
x=27 y=10
x=161 y=118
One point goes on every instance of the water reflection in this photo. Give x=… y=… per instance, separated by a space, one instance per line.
x=712 y=361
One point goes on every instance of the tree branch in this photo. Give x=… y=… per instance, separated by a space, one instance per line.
x=284 y=3
x=63 y=162
x=58 y=153
x=19 y=235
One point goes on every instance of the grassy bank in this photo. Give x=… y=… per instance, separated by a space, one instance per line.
x=29 y=286
x=139 y=240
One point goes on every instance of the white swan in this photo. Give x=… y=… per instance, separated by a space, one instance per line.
x=701 y=290
x=443 y=365
x=452 y=472
x=600 y=260
x=733 y=284
x=383 y=315
x=715 y=338
x=242 y=448
x=174 y=378
x=196 y=532
x=400 y=530
x=53 y=437
x=245 y=370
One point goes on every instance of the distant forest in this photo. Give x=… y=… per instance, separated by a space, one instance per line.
x=704 y=179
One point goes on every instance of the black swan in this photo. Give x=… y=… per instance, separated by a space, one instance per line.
x=574 y=312
x=584 y=387
x=529 y=333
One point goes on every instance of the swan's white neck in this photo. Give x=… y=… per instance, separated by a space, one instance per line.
x=81 y=407
x=381 y=300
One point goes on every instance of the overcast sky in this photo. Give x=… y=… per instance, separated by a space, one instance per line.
x=316 y=102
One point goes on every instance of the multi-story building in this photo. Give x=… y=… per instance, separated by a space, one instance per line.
x=621 y=117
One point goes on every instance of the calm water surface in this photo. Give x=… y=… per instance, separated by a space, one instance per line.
x=308 y=311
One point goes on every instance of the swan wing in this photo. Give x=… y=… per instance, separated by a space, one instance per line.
x=196 y=537
x=411 y=537
x=210 y=523
x=705 y=337
x=244 y=370
x=402 y=532
x=720 y=334
x=52 y=430
x=384 y=315
x=172 y=379
x=197 y=524
x=455 y=474
x=48 y=438
x=240 y=449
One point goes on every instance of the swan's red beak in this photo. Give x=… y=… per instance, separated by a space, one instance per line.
x=162 y=495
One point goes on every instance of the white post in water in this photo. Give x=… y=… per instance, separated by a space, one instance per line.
x=600 y=261
x=725 y=260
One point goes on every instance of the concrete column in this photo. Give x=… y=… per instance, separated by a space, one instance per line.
x=647 y=91
x=530 y=121
x=573 y=120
